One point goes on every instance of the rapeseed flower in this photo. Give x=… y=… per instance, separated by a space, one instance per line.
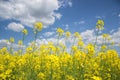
x=82 y=61
x=68 y=34
x=11 y=40
x=38 y=26
x=60 y=31
x=24 y=31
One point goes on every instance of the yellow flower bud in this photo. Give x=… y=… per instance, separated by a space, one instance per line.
x=11 y=39
x=76 y=34
x=68 y=34
x=60 y=31
x=105 y=35
x=24 y=31
x=100 y=24
x=38 y=26
x=20 y=42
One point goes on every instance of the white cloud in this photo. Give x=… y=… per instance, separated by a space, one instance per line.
x=30 y=11
x=65 y=3
x=112 y=31
x=5 y=43
x=58 y=15
x=116 y=36
x=88 y=36
x=48 y=34
x=98 y=17
x=15 y=27
x=54 y=29
x=66 y=26
x=70 y=3
x=119 y=15
x=79 y=22
x=44 y=41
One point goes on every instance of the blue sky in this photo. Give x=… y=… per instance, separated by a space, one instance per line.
x=72 y=15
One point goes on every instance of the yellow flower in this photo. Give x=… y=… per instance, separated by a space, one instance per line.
x=4 y=49
x=20 y=42
x=41 y=76
x=60 y=31
x=29 y=49
x=69 y=77
x=68 y=34
x=12 y=65
x=8 y=71
x=100 y=24
x=3 y=76
x=37 y=67
x=21 y=62
x=96 y=78
x=90 y=48
x=105 y=35
x=76 y=34
x=80 y=43
x=11 y=39
x=103 y=47
x=112 y=53
x=74 y=48
x=2 y=67
x=38 y=26
x=24 y=31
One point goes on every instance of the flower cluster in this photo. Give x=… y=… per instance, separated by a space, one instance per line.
x=54 y=62
x=46 y=65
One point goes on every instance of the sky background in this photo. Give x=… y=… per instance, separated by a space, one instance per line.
x=72 y=15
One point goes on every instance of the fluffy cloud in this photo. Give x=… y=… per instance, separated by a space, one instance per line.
x=65 y=3
x=116 y=36
x=79 y=22
x=98 y=17
x=66 y=26
x=5 y=43
x=112 y=31
x=30 y=11
x=89 y=37
x=15 y=27
x=45 y=41
x=119 y=15
x=70 y=3
x=48 y=34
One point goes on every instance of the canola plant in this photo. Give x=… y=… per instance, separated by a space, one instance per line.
x=52 y=61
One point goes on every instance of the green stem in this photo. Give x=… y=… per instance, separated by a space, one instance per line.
x=51 y=72
x=73 y=45
x=35 y=40
x=23 y=38
x=96 y=38
x=57 y=43
x=11 y=51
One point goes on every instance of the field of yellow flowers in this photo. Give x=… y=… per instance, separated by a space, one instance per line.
x=52 y=61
